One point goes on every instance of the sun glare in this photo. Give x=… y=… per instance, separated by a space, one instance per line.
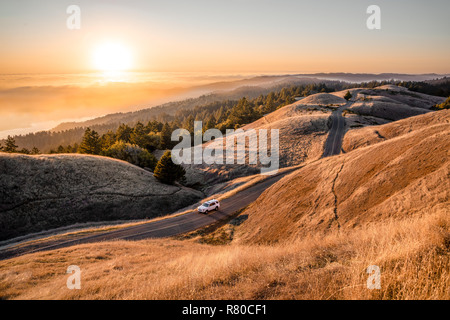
x=112 y=57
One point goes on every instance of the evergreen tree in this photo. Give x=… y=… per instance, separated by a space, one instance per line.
x=10 y=145
x=91 y=142
x=210 y=123
x=168 y=172
x=139 y=136
x=154 y=126
x=348 y=95
x=166 y=137
x=188 y=124
x=35 y=150
x=107 y=140
x=269 y=105
x=242 y=113
x=124 y=133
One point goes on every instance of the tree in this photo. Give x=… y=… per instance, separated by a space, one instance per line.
x=124 y=133
x=35 y=150
x=242 y=113
x=210 y=123
x=154 y=126
x=168 y=172
x=166 y=137
x=153 y=141
x=132 y=154
x=91 y=142
x=188 y=124
x=269 y=104
x=139 y=136
x=348 y=95
x=108 y=139
x=10 y=145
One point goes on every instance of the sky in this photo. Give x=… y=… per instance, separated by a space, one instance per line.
x=50 y=73
x=228 y=36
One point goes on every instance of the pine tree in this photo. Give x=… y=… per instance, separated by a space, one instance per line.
x=348 y=95
x=107 y=140
x=242 y=113
x=139 y=136
x=35 y=150
x=10 y=145
x=91 y=142
x=124 y=133
x=168 y=172
x=166 y=137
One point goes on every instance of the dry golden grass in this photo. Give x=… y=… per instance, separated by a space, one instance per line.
x=413 y=256
x=392 y=210
x=401 y=177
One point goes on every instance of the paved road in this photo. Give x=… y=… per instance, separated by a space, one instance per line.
x=168 y=227
x=333 y=144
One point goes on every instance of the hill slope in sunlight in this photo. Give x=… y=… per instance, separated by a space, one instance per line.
x=312 y=235
x=405 y=175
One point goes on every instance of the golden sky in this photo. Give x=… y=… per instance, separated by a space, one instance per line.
x=228 y=36
x=211 y=37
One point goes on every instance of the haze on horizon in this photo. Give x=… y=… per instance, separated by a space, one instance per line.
x=201 y=36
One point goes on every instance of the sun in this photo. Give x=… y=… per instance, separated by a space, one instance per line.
x=112 y=57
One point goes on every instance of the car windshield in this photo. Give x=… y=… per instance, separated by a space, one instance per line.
x=206 y=204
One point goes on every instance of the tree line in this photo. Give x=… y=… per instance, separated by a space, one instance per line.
x=135 y=143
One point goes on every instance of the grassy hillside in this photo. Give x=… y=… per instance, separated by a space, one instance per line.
x=398 y=178
x=413 y=256
x=50 y=191
x=312 y=235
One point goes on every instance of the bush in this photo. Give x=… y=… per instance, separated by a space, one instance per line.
x=442 y=106
x=132 y=154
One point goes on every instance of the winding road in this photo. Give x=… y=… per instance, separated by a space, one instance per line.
x=172 y=226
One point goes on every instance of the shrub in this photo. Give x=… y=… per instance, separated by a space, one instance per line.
x=132 y=154
x=444 y=105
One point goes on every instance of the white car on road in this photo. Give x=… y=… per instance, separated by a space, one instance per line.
x=209 y=206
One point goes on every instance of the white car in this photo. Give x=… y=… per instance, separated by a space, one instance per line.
x=209 y=206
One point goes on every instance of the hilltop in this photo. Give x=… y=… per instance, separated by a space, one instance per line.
x=303 y=126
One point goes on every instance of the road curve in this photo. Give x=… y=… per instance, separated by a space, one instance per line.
x=333 y=144
x=168 y=227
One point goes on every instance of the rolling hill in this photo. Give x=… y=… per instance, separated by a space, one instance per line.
x=404 y=175
x=311 y=235
x=49 y=191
